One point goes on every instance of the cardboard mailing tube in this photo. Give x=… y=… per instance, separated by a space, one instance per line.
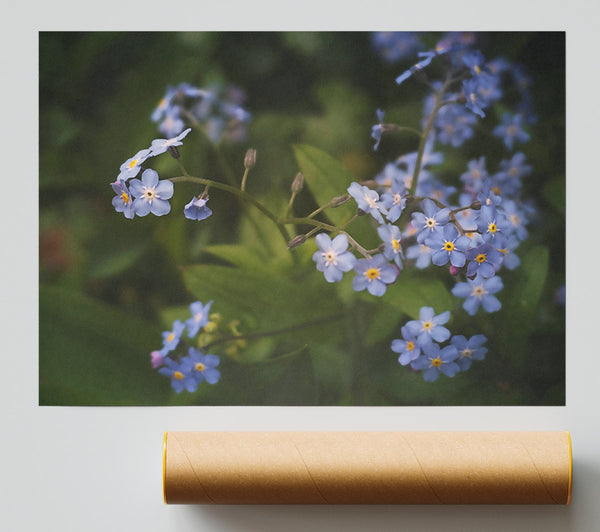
x=367 y=467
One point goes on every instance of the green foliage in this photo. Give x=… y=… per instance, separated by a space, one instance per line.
x=262 y=298
x=94 y=354
x=556 y=194
x=521 y=300
x=326 y=179
x=411 y=292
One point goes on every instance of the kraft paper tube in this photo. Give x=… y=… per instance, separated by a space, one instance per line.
x=367 y=467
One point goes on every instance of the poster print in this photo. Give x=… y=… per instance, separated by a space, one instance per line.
x=302 y=218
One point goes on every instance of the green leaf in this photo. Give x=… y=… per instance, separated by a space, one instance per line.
x=333 y=372
x=555 y=192
x=409 y=293
x=264 y=299
x=522 y=298
x=115 y=263
x=240 y=255
x=262 y=235
x=326 y=178
x=385 y=319
x=520 y=302
x=94 y=354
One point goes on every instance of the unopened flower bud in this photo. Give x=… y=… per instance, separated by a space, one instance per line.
x=250 y=159
x=215 y=317
x=157 y=359
x=211 y=327
x=298 y=183
x=297 y=241
x=339 y=200
x=174 y=151
x=476 y=205
x=454 y=270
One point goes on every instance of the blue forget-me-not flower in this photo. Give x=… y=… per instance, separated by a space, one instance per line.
x=374 y=275
x=333 y=259
x=479 y=292
x=429 y=327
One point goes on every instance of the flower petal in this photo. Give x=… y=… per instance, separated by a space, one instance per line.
x=164 y=189
x=150 y=178
x=160 y=207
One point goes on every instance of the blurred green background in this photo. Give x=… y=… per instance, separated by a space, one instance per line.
x=109 y=286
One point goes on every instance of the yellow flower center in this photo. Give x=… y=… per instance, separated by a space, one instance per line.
x=171 y=337
x=125 y=197
x=410 y=346
x=449 y=246
x=496 y=190
x=513 y=172
x=466 y=353
x=178 y=375
x=427 y=325
x=395 y=244
x=511 y=131
x=430 y=222
x=436 y=362
x=477 y=69
x=514 y=219
x=133 y=163
x=200 y=367
x=476 y=174
x=372 y=273
x=492 y=228
x=480 y=258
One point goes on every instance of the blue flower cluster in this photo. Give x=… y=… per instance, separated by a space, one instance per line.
x=193 y=368
x=151 y=194
x=484 y=82
x=420 y=346
x=216 y=110
x=395 y=45
x=373 y=273
x=473 y=231
x=477 y=233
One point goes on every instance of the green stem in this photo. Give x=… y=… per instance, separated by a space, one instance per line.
x=280 y=222
x=182 y=168
x=240 y=194
x=392 y=128
x=243 y=187
x=439 y=103
x=290 y=203
x=293 y=328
